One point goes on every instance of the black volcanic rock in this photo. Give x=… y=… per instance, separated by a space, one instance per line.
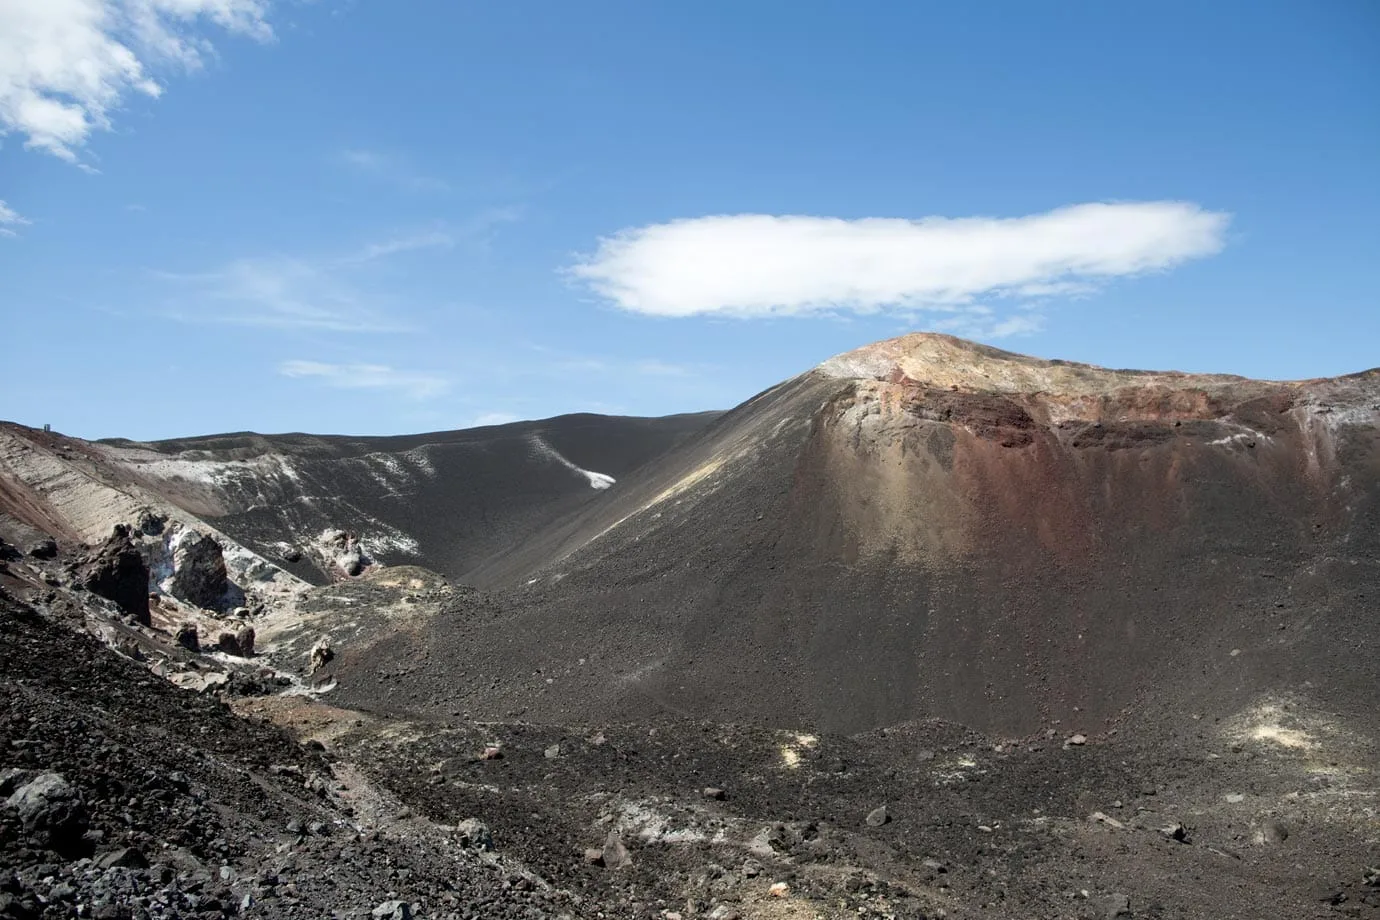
x=44 y=549
x=151 y=522
x=187 y=637
x=117 y=572
x=199 y=575
x=239 y=642
x=51 y=811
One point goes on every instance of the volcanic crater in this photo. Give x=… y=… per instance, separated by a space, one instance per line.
x=929 y=630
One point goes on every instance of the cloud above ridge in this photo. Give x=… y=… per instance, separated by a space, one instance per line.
x=754 y=265
x=413 y=384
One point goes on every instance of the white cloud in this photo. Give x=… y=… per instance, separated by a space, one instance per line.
x=763 y=265
x=65 y=65
x=9 y=217
x=368 y=377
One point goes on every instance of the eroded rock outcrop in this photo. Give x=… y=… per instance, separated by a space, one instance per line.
x=343 y=551
x=199 y=576
x=117 y=572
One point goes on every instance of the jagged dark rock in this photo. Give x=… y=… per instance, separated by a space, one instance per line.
x=187 y=637
x=199 y=575
x=151 y=522
x=239 y=642
x=44 y=549
x=118 y=573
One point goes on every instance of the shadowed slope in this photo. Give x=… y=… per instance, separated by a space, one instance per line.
x=446 y=500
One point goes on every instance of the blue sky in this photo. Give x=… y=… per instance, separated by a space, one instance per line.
x=377 y=217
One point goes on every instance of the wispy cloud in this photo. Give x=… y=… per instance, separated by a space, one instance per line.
x=334 y=293
x=279 y=293
x=752 y=265
x=9 y=219
x=413 y=384
x=563 y=363
x=479 y=230
x=373 y=251
x=982 y=322
x=492 y=418
x=65 y=65
x=392 y=168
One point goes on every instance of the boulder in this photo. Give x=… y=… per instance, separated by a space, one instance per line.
x=321 y=654
x=1175 y=831
x=878 y=816
x=117 y=573
x=474 y=834
x=127 y=857
x=232 y=643
x=44 y=549
x=51 y=811
x=615 y=853
x=199 y=575
x=187 y=637
x=344 y=550
x=245 y=637
x=393 y=910
x=351 y=561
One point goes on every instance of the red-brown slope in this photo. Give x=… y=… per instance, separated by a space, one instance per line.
x=932 y=528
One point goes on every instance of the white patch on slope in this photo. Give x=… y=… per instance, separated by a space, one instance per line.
x=596 y=480
x=421 y=458
x=222 y=473
x=270 y=480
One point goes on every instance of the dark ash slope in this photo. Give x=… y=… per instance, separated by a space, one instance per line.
x=446 y=500
x=930 y=528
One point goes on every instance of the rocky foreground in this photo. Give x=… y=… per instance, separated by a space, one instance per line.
x=126 y=796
